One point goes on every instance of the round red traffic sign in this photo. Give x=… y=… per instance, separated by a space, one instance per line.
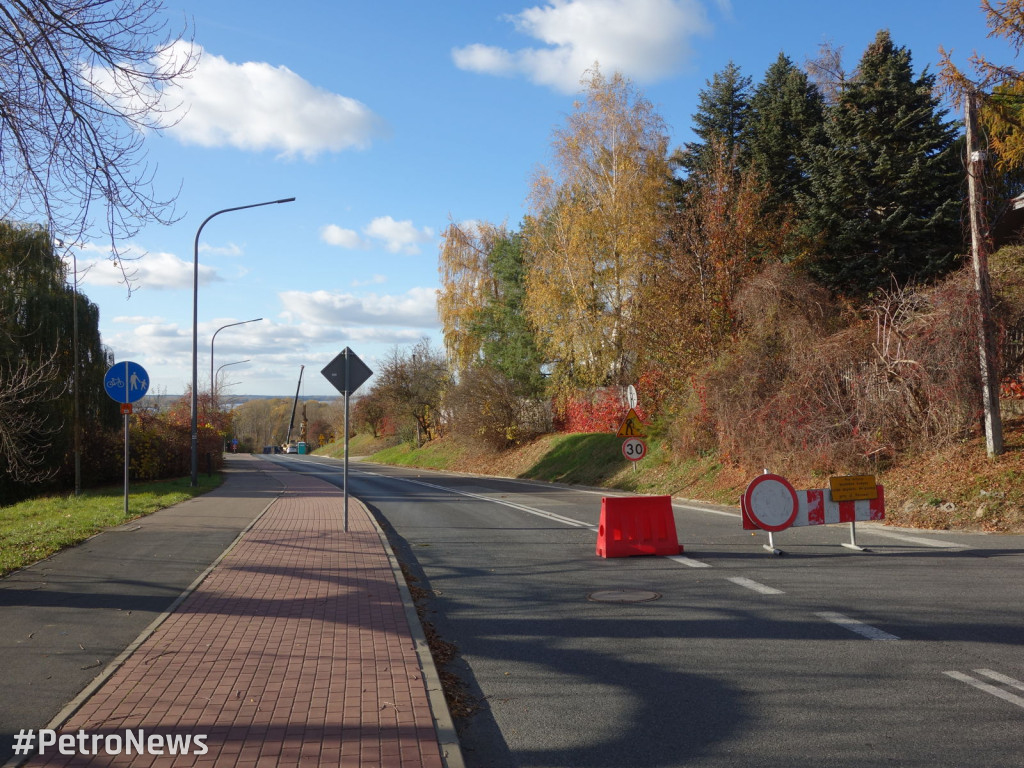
x=771 y=502
x=633 y=448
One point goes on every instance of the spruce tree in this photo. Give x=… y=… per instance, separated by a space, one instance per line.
x=884 y=196
x=786 y=120
x=719 y=123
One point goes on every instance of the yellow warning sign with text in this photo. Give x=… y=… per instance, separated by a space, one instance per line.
x=631 y=426
x=853 y=488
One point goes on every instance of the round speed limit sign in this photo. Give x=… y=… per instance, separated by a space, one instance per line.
x=634 y=449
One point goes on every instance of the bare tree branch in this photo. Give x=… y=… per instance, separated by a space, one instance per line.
x=25 y=435
x=81 y=83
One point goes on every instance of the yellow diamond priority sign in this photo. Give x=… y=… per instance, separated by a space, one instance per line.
x=631 y=426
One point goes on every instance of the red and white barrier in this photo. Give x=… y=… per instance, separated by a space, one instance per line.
x=816 y=507
x=771 y=504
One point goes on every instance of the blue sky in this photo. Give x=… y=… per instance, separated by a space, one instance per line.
x=385 y=120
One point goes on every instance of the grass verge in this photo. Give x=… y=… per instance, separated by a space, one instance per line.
x=34 y=529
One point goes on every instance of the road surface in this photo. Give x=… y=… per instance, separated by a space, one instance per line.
x=908 y=655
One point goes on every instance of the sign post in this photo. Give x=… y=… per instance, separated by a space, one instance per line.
x=853 y=488
x=125 y=383
x=347 y=373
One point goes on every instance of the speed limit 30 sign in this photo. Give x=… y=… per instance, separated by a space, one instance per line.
x=634 y=448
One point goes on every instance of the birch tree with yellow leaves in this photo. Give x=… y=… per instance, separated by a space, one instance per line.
x=594 y=223
x=466 y=286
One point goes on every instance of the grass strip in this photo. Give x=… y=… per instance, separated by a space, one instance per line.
x=34 y=529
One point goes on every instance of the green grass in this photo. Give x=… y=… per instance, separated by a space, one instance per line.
x=34 y=529
x=586 y=459
x=433 y=455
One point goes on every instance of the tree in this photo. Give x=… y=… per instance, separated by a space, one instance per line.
x=718 y=239
x=786 y=120
x=508 y=340
x=466 y=287
x=595 y=221
x=827 y=72
x=81 y=83
x=369 y=413
x=414 y=383
x=884 y=194
x=720 y=123
x=999 y=87
x=37 y=366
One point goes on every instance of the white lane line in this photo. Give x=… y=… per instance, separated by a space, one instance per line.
x=756 y=586
x=915 y=539
x=512 y=505
x=986 y=687
x=1005 y=679
x=865 y=630
x=688 y=561
x=692 y=508
x=682 y=560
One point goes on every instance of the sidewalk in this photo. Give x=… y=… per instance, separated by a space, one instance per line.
x=296 y=649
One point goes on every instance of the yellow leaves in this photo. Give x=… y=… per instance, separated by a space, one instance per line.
x=594 y=226
x=466 y=284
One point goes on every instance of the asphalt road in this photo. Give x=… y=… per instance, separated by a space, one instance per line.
x=908 y=655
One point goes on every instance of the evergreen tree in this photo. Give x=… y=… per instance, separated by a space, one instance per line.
x=786 y=120
x=509 y=344
x=719 y=123
x=884 y=195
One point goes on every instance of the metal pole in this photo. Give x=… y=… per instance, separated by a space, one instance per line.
x=213 y=383
x=127 y=450
x=195 y=330
x=126 y=417
x=76 y=379
x=344 y=472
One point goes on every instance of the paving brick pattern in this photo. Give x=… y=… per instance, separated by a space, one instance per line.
x=294 y=651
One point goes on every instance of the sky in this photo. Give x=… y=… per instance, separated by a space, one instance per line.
x=389 y=120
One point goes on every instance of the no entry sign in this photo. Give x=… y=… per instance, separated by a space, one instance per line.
x=770 y=502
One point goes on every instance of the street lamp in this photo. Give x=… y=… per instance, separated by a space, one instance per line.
x=195 y=330
x=237 y=362
x=213 y=387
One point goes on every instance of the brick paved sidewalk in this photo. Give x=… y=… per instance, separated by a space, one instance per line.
x=295 y=650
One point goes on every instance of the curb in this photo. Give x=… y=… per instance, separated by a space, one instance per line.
x=447 y=737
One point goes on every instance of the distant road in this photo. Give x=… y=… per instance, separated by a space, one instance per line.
x=909 y=655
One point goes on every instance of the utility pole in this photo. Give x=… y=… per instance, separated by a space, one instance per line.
x=982 y=286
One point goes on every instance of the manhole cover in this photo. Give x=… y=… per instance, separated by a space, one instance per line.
x=623 y=596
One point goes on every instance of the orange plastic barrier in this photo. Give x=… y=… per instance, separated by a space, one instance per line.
x=637 y=525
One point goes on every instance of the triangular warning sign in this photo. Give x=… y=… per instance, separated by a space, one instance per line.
x=631 y=426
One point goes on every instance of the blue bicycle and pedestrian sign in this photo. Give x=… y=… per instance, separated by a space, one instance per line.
x=126 y=382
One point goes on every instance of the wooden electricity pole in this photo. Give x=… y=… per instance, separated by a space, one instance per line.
x=983 y=289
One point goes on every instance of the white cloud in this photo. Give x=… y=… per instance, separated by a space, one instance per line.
x=221 y=250
x=151 y=271
x=398 y=236
x=332 y=234
x=416 y=308
x=643 y=39
x=256 y=106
